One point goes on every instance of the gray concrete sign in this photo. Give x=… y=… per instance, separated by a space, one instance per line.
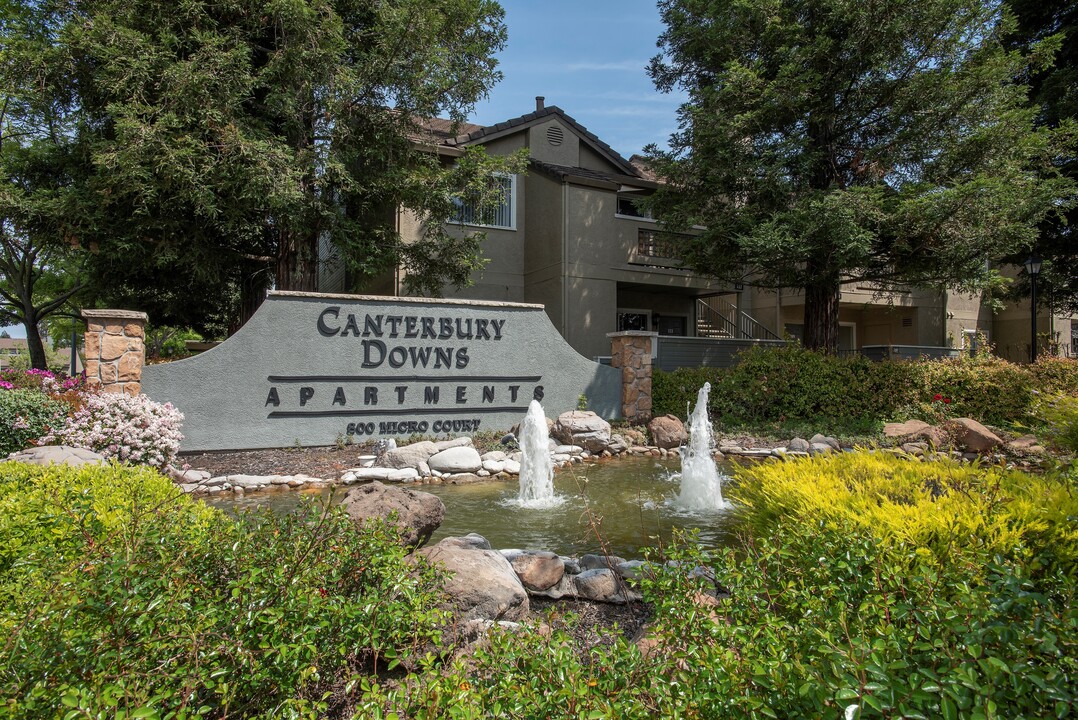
x=313 y=368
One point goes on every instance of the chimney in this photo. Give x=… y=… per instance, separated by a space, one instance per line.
x=539 y=103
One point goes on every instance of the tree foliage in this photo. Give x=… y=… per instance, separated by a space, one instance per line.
x=39 y=261
x=222 y=147
x=1054 y=92
x=826 y=142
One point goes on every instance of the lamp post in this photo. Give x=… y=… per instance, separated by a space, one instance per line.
x=1033 y=269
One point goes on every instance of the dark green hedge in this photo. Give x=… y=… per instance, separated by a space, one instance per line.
x=792 y=383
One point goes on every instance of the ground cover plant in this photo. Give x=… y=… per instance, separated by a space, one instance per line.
x=120 y=597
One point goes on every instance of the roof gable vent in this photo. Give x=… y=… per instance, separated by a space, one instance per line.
x=555 y=135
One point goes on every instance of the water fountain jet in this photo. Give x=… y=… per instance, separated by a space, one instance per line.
x=701 y=482
x=536 y=465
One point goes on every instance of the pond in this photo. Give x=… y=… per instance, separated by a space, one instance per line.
x=628 y=503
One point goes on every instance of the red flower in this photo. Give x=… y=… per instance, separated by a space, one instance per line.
x=946 y=401
x=937 y=397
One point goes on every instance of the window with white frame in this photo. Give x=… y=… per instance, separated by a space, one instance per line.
x=498 y=212
x=629 y=206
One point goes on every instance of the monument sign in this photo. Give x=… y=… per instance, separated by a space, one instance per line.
x=314 y=368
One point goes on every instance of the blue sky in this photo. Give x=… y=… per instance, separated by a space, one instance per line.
x=588 y=57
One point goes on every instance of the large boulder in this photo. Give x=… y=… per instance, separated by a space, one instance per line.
x=482 y=584
x=409 y=456
x=583 y=428
x=971 y=435
x=913 y=430
x=418 y=513
x=58 y=455
x=460 y=459
x=667 y=431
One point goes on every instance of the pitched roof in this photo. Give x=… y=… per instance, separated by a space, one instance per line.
x=470 y=134
x=565 y=172
x=443 y=129
x=643 y=168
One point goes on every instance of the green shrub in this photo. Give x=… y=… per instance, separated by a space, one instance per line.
x=123 y=595
x=1059 y=416
x=26 y=415
x=779 y=385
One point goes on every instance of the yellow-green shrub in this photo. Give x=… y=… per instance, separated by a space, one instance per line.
x=50 y=511
x=939 y=506
x=120 y=597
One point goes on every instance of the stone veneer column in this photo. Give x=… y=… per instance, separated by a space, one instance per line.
x=630 y=351
x=115 y=349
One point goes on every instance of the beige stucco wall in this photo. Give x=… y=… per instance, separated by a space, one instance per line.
x=567 y=153
x=904 y=318
x=600 y=248
x=1013 y=329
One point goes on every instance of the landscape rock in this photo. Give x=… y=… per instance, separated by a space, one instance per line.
x=798 y=445
x=599 y=585
x=458 y=459
x=971 y=435
x=57 y=454
x=408 y=456
x=538 y=570
x=595 y=562
x=915 y=430
x=418 y=513
x=249 y=481
x=463 y=441
x=667 y=431
x=461 y=478
x=583 y=428
x=474 y=541
x=825 y=440
x=482 y=584
x=1023 y=444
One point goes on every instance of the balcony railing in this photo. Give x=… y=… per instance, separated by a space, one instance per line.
x=656 y=247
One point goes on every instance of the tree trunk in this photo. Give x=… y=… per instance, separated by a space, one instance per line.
x=821 y=315
x=297 y=262
x=38 y=358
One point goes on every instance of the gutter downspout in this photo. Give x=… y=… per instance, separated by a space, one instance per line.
x=565 y=262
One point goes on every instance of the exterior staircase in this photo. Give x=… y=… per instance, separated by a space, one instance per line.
x=716 y=318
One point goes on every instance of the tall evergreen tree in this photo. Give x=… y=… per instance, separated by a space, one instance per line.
x=1054 y=92
x=219 y=144
x=826 y=142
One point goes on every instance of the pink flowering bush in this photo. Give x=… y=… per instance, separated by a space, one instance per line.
x=44 y=381
x=133 y=430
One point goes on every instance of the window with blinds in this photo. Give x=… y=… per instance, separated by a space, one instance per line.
x=500 y=213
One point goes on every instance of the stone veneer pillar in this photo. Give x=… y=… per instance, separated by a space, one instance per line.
x=115 y=349
x=630 y=351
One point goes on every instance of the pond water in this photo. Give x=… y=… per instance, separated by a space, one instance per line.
x=629 y=503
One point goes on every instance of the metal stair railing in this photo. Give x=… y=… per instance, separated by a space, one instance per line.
x=714 y=311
